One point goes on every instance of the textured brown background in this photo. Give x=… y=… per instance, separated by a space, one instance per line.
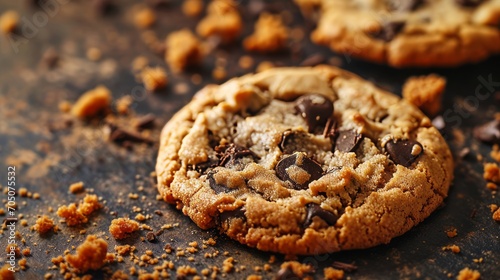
x=48 y=156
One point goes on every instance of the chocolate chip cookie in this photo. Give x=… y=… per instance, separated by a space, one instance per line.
x=303 y=161
x=405 y=33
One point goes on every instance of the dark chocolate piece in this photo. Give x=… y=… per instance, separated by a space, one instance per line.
x=301 y=161
x=147 y=121
x=404 y=152
x=488 y=132
x=228 y=154
x=235 y=214
x=314 y=210
x=315 y=109
x=218 y=188
x=469 y=3
x=347 y=140
x=389 y=30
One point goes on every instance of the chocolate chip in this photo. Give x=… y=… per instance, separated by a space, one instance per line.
x=389 y=30
x=313 y=60
x=286 y=274
x=403 y=5
x=234 y=214
x=292 y=141
x=314 y=210
x=469 y=3
x=315 y=109
x=299 y=170
x=122 y=136
x=347 y=140
x=404 y=152
x=204 y=166
x=488 y=132
x=147 y=121
x=150 y=237
x=218 y=188
x=228 y=154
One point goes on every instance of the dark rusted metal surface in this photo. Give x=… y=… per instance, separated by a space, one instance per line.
x=50 y=152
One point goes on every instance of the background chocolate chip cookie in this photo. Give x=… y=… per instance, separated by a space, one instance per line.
x=405 y=33
x=314 y=157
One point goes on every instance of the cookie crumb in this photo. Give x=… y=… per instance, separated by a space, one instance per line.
x=454 y=248
x=227 y=265
x=185 y=270
x=495 y=152
x=425 y=92
x=43 y=224
x=496 y=215
x=65 y=106
x=293 y=269
x=121 y=228
x=451 y=232
x=264 y=65
x=9 y=21
x=76 y=187
x=270 y=34
x=222 y=20
x=491 y=172
x=183 y=50
x=91 y=254
x=331 y=273
x=468 y=274
x=145 y=18
x=154 y=79
x=245 y=62
x=94 y=54
x=123 y=104
x=74 y=215
x=192 y=8
x=92 y=102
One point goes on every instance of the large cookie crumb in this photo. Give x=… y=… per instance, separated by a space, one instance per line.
x=91 y=254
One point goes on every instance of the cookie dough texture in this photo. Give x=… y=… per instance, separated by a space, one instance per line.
x=244 y=157
x=409 y=32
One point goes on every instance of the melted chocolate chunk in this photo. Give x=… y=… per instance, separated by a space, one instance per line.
x=291 y=141
x=286 y=274
x=235 y=214
x=147 y=121
x=404 y=152
x=315 y=109
x=389 y=30
x=403 y=5
x=228 y=154
x=314 y=210
x=347 y=140
x=469 y=3
x=299 y=170
x=488 y=132
x=204 y=166
x=218 y=188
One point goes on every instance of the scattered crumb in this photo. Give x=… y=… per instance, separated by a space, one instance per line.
x=228 y=265
x=185 y=270
x=254 y=277
x=94 y=54
x=294 y=268
x=425 y=92
x=123 y=104
x=43 y=224
x=9 y=21
x=26 y=252
x=77 y=187
x=139 y=63
x=192 y=8
x=219 y=73
x=145 y=18
x=491 y=172
x=451 y=232
x=120 y=228
x=496 y=215
x=333 y=274
x=6 y=273
x=154 y=78
x=183 y=50
x=91 y=254
x=245 y=62
x=491 y=186
x=23 y=192
x=270 y=35
x=468 y=274
x=92 y=102
x=222 y=20
x=64 y=106
x=74 y=215
x=454 y=248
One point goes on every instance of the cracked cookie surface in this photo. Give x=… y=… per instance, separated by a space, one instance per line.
x=303 y=161
x=405 y=33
